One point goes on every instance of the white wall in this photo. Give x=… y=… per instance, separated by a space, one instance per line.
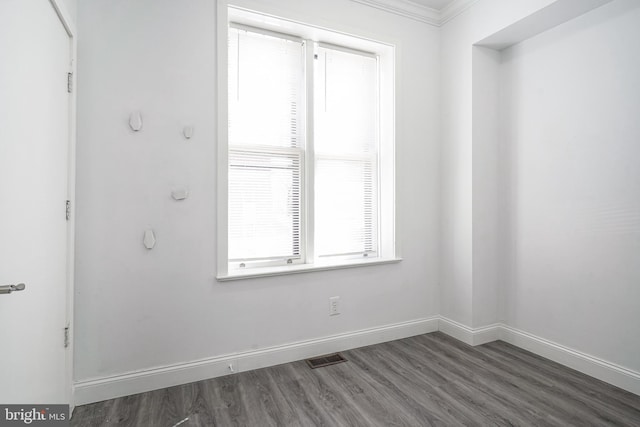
x=570 y=109
x=72 y=8
x=471 y=203
x=457 y=241
x=540 y=203
x=138 y=309
x=487 y=184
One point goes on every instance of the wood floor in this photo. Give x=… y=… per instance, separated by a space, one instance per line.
x=421 y=381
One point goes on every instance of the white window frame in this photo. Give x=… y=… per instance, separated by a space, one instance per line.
x=386 y=152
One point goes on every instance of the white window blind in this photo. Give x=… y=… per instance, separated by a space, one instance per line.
x=264 y=206
x=266 y=143
x=346 y=153
x=266 y=80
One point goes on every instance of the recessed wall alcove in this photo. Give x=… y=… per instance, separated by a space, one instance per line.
x=554 y=204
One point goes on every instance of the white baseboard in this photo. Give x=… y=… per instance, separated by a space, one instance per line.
x=96 y=390
x=608 y=372
x=99 y=389
x=471 y=336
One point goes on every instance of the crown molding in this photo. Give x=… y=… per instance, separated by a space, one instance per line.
x=418 y=12
x=406 y=8
x=454 y=9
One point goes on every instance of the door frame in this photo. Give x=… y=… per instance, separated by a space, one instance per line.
x=69 y=25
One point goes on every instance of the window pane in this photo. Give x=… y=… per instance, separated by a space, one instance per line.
x=266 y=81
x=345 y=142
x=346 y=207
x=264 y=205
x=265 y=90
x=346 y=105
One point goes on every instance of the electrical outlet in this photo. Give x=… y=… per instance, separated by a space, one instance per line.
x=334 y=306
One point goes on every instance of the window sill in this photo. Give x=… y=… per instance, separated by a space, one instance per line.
x=303 y=268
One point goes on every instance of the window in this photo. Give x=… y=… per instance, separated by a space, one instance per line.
x=266 y=148
x=346 y=153
x=309 y=149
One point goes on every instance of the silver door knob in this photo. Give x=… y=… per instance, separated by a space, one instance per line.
x=7 y=289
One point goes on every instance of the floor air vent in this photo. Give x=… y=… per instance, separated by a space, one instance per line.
x=322 y=361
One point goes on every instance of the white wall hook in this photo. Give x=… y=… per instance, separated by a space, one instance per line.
x=180 y=194
x=149 y=239
x=135 y=121
x=187 y=132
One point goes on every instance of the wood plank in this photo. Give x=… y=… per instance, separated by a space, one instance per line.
x=428 y=380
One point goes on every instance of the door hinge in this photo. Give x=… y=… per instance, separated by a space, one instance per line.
x=69 y=82
x=66 y=337
x=68 y=210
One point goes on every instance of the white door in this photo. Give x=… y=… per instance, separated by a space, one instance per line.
x=35 y=55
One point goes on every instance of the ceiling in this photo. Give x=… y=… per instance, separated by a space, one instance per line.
x=435 y=4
